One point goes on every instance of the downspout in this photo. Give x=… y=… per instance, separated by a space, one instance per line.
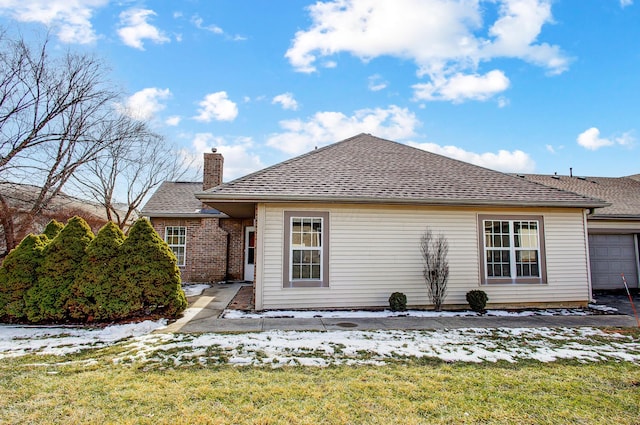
x=226 y=259
x=586 y=237
x=637 y=247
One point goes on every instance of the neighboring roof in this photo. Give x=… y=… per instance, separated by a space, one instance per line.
x=367 y=169
x=623 y=193
x=177 y=199
x=21 y=197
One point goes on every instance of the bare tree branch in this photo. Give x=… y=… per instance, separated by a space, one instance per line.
x=54 y=114
x=130 y=168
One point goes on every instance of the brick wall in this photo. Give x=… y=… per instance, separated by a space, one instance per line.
x=206 y=248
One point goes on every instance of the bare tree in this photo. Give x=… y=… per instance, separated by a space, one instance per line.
x=56 y=114
x=129 y=169
x=436 y=267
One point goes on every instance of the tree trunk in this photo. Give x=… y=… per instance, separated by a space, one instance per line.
x=6 y=221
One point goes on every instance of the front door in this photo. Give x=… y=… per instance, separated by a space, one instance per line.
x=249 y=253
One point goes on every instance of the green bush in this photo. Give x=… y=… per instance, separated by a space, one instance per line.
x=149 y=268
x=52 y=229
x=47 y=299
x=477 y=300
x=398 y=301
x=17 y=275
x=95 y=294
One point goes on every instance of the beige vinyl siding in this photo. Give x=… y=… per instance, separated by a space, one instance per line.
x=375 y=250
x=613 y=226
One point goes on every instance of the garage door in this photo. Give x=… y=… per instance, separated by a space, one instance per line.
x=611 y=255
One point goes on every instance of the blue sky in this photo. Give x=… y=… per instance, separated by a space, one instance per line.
x=514 y=85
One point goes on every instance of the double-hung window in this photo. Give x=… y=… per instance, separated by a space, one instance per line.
x=512 y=249
x=176 y=238
x=306 y=262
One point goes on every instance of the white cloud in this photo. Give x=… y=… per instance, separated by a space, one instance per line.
x=590 y=139
x=505 y=161
x=459 y=87
x=324 y=128
x=217 y=106
x=503 y=102
x=625 y=3
x=198 y=22
x=550 y=149
x=626 y=139
x=286 y=100
x=238 y=159
x=445 y=39
x=69 y=19
x=144 y=104
x=173 y=120
x=134 y=28
x=377 y=83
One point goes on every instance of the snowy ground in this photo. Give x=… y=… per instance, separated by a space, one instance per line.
x=138 y=345
x=193 y=289
x=346 y=314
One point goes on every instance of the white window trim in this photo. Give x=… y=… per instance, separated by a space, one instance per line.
x=293 y=248
x=513 y=279
x=287 y=272
x=171 y=246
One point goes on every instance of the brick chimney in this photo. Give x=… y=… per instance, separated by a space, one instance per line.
x=212 y=170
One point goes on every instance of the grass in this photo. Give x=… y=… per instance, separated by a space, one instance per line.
x=89 y=388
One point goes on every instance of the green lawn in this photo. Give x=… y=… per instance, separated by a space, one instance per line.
x=90 y=388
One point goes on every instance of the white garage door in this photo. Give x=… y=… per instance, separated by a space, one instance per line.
x=611 y=255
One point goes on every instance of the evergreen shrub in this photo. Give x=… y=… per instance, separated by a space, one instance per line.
x=477 y=300
x=52 y=229
x=46 y=300
x=398 y=301
x=18 y=274
x=149 y=269
x=95 y=294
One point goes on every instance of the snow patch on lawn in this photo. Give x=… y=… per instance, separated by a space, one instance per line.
x=137 y=344
x=287 y=348
x=346 y=314
x=59 y=340
x=194 y=289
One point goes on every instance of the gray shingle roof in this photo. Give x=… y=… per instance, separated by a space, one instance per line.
x=623 y=193
x=368 y=169
x=176 y=199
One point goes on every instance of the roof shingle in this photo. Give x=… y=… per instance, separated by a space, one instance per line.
x=176 y=199
x=365 y=168
x=623 y=193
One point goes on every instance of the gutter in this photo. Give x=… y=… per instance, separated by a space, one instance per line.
x=181 y=215
x=212 y=198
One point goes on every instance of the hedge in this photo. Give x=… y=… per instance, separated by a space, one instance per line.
x=68 y=275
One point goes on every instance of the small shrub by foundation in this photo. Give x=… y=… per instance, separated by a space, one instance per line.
x=398 y=301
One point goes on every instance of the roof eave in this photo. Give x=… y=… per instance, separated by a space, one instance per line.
x=160 y=214
x=229 y=198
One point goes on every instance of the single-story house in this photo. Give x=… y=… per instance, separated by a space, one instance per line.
x=614 y=230
x=340 y=227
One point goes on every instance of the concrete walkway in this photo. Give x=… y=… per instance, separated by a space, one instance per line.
x=204 y=311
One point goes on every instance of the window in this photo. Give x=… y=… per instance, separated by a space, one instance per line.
x=306 y=249
x=176 y=238
x=513 y=249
